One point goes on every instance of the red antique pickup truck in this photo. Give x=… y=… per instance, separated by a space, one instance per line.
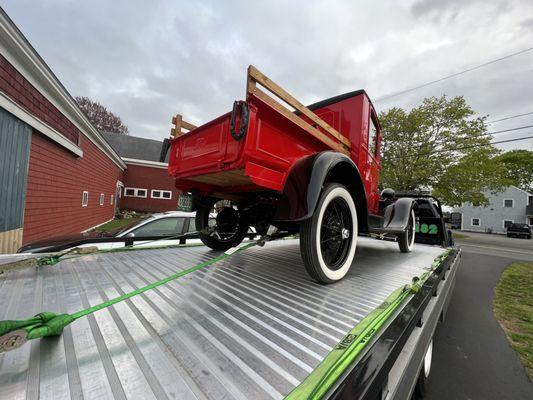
x=312 y=170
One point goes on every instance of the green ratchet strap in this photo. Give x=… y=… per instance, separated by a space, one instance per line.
x=53 y=259
x=323 y=377
x=14 y=334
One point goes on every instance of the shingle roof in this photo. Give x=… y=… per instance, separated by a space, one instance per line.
x=134 y=147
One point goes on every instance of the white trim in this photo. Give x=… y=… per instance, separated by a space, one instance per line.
x=83 y=202
x=509 y=220
x=503 y=204
x=19 y=52
x=102 y=199
x=145 y=163
x=472 y=221
x=161 y=191
x=135 y=191
x=10 y=106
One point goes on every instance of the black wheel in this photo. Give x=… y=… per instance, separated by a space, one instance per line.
x=328 y=239
x=220 y=225
x=423 y=377
x=406 y=240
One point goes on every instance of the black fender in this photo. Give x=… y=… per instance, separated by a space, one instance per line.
x=307 y=178
x=396 y=215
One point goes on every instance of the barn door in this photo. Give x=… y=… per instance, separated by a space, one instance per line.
x=15 y=137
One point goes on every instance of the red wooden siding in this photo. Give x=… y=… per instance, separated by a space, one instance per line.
x=56 y=181
x=148 y=178
x=25 y=95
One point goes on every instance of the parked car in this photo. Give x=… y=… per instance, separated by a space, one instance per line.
x=148 y=232
x=519 y=230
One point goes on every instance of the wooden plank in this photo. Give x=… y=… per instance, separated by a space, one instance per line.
x=273 y=87
x=184 y=124
x=298 y=121
x=188 y=125
x=179 y=123
x=175 y=132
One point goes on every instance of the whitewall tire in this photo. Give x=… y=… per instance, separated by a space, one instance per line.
x=406 y=240
x=328 y=239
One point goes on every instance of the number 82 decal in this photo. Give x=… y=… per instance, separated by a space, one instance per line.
x=431 y=229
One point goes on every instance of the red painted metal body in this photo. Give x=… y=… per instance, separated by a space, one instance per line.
x=208 y=159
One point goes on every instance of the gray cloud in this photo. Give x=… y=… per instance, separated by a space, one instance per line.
x=149 y=60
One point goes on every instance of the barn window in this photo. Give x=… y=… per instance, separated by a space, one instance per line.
x=161 y=194
x=102 y=198
x=85 y=199
x=111 y=199
x=475 y=222
x=134 y=192
x=508 y=203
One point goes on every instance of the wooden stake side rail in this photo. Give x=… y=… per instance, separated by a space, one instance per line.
x=341 y=144
x=255 y=76
x=179 y=123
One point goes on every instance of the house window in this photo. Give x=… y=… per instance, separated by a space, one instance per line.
x=134 y=192
x=111 y=199
x=161 y=194
x=102 y=198
x=476 y=222
x=85 y=199
x=508 y=203
x=507 y=223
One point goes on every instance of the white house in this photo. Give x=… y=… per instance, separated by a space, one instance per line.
x=504 y=208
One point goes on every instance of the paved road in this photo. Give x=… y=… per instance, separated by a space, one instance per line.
x=498 y=245
x=472 y=357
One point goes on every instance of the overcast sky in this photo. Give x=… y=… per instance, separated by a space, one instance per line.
x=148 y=60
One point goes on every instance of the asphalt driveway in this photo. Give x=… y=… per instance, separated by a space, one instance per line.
x=472 y=357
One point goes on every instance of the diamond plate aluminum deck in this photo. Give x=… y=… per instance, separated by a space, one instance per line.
x=249 y=327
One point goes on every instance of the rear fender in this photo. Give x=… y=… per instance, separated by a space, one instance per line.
x=306 y=180
x=396 y=215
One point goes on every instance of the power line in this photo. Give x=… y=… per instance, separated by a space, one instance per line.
x=508 y=130
x=510 y=117
x=452 y=75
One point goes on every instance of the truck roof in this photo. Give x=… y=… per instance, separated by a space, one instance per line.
x=251 y=326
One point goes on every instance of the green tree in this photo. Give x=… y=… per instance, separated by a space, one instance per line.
x=441 y=146
x=518 y=167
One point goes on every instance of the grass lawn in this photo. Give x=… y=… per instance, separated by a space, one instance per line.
x=513 y=307
x=116 y=224
x=459 y=235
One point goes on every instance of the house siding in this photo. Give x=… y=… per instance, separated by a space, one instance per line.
x=492 y=216
x=149 y=178
x=14 y=85
x=57 y=177
x=56 y=181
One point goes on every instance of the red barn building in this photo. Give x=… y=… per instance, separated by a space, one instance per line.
x=147 y=185
x=58 y=175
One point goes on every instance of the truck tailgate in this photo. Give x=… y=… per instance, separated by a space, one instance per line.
x=250 y=327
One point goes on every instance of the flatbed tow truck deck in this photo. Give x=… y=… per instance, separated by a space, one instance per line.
x=253 y=326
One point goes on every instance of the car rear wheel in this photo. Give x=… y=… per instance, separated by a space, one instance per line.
x=328 y=239
x=406 y=240
x=220 y=224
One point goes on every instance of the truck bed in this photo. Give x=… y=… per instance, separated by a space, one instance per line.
x=253 y=326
